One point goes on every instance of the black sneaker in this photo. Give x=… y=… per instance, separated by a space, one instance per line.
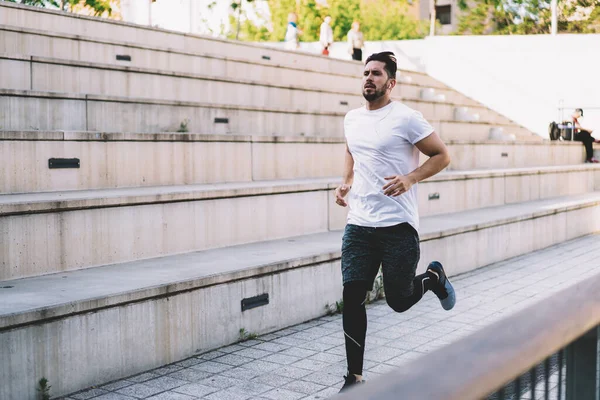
x=444 y=289
x=350 y=381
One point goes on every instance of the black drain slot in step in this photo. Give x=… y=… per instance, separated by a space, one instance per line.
x=55 y=163
x=256 y=301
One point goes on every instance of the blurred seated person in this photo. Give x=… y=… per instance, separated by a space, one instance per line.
x=584 y=135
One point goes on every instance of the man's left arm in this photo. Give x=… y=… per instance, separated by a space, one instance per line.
x=439 y=158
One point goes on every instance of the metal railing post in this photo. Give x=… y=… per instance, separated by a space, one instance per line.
x=582 y=364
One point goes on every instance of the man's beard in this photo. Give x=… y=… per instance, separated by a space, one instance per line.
x=373 y=96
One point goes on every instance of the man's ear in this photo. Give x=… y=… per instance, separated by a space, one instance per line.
x=391 y=84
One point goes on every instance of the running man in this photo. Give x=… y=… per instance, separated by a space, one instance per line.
x=381 y=171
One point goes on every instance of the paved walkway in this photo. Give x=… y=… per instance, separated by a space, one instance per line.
x=307 y=361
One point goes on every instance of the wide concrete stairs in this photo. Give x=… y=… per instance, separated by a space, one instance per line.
x=125 y=245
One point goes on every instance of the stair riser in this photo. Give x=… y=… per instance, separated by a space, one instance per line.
x=128 y=339
x=135 y=163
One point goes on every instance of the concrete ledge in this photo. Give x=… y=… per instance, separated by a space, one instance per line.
x=17 y=204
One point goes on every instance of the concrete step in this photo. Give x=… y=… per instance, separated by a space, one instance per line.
x=34 y=42
x=65 y=25
x=113 y=160
x=132 y=317
x=32 y=110
x=47 y=74
x=60 y=231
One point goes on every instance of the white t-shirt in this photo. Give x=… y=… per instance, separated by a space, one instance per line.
x=382 y=143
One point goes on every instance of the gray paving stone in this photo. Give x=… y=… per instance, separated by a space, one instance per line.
x=283 y=394
x=270 y=336
x=414 y=339
x=272 y=347
x=327 y=357
x=190 y=375
x=116 y=385
x=250 y=343
x=228 y=395
x=281 y=359
x=212 y=367
x=383 y=368
x=311 y=365
x=232 y=348
x=166 y=383
x=335 y=340
x=340 y=369
x=142 y=377
x=298 y=352
x=211 y=355
x=291 y=372
x=189 y=362
x=376 y=341
x=382 y=354
x=253 y=388
x=139 y=390
x=338 y=350
x=253 y=353
x=261 y=366
x=316 y=346
x=172 y=396
x=289 y=341
x=327 y=393
x=114 y=396
x=221 y=382
x=232 y=359
x=323 y=378
x=88 y=394
x=169 y=369
x=195 y=389
x=304 y=387
x=272 y=380
x=240 y=373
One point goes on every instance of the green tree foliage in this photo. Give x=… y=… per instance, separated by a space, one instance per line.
x=99 y=6
x=522 y=17
x=380 y=20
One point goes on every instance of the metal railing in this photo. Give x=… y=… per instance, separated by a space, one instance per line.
x=547 y=351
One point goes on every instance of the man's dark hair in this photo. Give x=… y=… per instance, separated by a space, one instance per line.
x=580 y=110
x=388 y=58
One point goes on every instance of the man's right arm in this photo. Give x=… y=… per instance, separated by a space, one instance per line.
x=348 y=176
x=347 y=179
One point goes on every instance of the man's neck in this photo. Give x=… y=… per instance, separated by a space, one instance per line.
x=379 y=103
